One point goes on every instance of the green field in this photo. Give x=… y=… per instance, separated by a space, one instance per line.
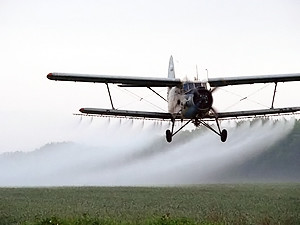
x=203 y=204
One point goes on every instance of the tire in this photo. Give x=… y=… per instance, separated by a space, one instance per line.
x=224 y=135
x=168 y=136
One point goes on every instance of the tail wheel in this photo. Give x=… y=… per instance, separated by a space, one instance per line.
x=224 y=135
x=168 y=136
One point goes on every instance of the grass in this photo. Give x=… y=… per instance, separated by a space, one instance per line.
x=263 y=204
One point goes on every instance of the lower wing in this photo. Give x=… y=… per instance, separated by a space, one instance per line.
x=127 y=113
x=161 y=115
x=253 y=113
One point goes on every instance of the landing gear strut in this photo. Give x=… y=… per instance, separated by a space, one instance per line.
x=223 y=133
x=170 y=134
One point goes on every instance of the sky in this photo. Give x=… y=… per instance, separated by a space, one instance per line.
x=135 y=38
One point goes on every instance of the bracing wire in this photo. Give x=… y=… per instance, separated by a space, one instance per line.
x=139 y=98
x=242 y=98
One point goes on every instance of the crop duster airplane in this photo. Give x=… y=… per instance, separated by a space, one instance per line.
x=191 y=101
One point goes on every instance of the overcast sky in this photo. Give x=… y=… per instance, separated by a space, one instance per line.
x=229 y=38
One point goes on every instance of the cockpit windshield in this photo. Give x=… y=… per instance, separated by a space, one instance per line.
x=188 y=86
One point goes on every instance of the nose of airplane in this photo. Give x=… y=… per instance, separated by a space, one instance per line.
x=203 y=99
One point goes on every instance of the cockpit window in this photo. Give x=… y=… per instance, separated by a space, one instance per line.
x=198 y=85
x=188 y=86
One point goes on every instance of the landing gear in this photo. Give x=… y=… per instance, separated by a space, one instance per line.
x=197 y=122
x=223 y=133
x=170 y=134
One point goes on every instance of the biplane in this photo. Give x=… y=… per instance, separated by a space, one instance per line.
x=189 y=101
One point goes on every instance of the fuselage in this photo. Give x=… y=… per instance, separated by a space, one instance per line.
x=191 y=101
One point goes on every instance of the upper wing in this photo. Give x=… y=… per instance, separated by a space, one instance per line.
x=252 y=113
x=219 y=82
x=122 y=80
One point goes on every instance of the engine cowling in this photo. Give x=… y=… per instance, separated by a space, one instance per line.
x=203 y=99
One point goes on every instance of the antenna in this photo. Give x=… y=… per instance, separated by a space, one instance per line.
x=207 y=83
x=197 y=72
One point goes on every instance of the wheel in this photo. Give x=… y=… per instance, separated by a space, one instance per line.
x=168 y=135
x=223 y=135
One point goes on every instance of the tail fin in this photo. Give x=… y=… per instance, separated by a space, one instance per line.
x=171 y=74
x=171 y=71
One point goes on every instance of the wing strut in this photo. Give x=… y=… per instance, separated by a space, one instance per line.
x=158 y=94
x=272 y=106
x=111 y=102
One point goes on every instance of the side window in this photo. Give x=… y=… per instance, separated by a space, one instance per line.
x=185 y=87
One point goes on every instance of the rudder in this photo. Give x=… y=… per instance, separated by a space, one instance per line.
x=171 y=71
